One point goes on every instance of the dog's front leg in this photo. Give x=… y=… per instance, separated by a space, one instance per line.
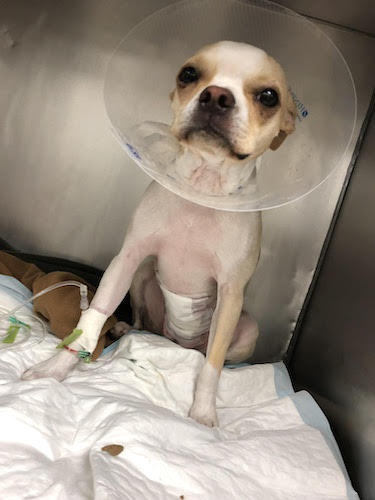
x=227 y=314
x=114 y=285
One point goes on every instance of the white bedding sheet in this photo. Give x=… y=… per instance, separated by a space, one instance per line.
x=272 y=443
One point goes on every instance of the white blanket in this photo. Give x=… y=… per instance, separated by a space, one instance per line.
x=272 y=443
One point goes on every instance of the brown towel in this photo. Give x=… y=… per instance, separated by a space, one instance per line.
x=61 y=307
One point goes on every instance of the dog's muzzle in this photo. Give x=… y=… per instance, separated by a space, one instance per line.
x=214 y=110
x=216 y=100
x=213 y=116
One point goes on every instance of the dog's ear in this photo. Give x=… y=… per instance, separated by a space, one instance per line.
x=171 y=95
x=287 y=124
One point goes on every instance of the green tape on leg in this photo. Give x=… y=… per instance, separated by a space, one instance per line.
x=12 y=334
x=70 y=338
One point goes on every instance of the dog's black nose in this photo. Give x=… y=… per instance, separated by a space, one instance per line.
x=215 y=99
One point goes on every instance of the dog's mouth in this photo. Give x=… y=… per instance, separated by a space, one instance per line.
x=211 y=133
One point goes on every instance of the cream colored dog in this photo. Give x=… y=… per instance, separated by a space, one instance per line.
x=186 y=265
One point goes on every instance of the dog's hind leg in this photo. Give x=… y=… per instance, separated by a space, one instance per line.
x=244 y=339
x=147 y=299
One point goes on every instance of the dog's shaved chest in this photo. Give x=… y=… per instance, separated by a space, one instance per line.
x=193 y=244
x=187 y=251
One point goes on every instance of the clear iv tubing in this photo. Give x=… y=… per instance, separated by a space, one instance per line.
x=84 y=304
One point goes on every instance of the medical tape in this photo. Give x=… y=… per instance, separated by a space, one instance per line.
x=77 y=332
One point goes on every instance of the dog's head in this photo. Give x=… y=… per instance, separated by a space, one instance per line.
x=232 y=100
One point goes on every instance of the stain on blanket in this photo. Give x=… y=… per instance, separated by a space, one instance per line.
x=113 y=449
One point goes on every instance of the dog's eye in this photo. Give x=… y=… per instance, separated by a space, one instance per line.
x=188 y=75
x=268 y=97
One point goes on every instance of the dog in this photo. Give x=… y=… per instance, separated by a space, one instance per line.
x=187 y=266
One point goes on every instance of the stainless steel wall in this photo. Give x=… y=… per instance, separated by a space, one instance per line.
x=67 y=189
x=358 y=15
x=334 y=354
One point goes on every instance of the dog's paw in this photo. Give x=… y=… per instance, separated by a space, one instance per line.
x=120 y=329
x=56 y=367
x=205 y=415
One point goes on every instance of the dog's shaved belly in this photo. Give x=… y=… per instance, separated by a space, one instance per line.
x=186 y=255
x=186 y=275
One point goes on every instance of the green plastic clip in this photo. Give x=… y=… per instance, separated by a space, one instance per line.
x=83 y=354
x=70 y=338
x=16 y=321
x=12 y=334
x=13 y=330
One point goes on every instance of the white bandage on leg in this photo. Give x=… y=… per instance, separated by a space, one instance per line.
x=91 y=324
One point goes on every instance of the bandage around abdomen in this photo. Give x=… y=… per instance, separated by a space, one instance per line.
x=187 y=317
x=142 y=72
